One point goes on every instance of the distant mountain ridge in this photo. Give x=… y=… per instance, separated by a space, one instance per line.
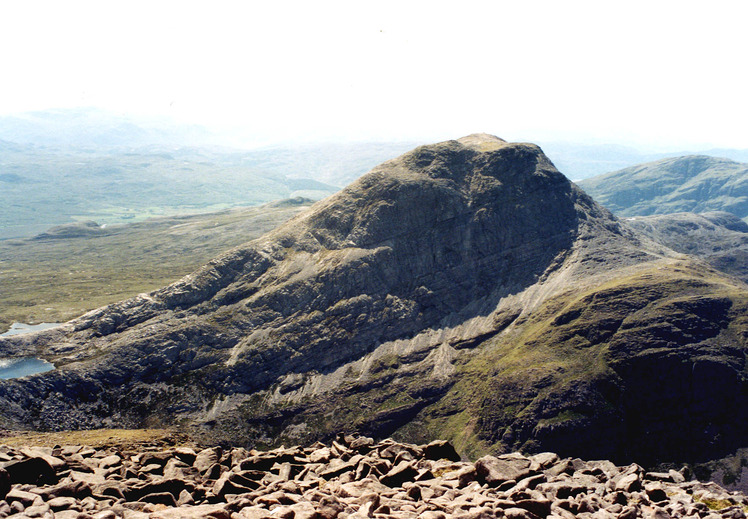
x=96 y=130
x=464 y=290
x=694 y=184
x=44 y=188
x=62 y=166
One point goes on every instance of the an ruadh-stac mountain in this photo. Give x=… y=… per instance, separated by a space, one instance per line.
x=465 y=290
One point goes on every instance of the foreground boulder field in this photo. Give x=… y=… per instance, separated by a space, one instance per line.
x=466 y=290
x=351 y=477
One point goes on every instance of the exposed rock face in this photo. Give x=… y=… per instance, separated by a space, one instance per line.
x=466 y=289
x=353 y=477
x=695 y=184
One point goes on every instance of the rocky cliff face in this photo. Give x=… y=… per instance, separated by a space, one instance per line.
x=465 y=290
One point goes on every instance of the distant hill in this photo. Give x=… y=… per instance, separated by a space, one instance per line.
x=696 y=184
x=94 y=129
x=583 y=160
x=41 y=188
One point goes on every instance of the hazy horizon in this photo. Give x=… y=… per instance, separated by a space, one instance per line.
x=86 y=119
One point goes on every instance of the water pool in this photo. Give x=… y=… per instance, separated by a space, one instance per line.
x=16 y=367
x=23 y=366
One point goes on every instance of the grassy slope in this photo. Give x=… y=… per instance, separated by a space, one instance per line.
x=58 y=279
x=580 y=373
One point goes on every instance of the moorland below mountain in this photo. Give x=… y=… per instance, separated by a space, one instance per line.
x=465 y=290
x=74 y=268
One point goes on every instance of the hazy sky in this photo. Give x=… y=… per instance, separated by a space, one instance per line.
x=669 y=73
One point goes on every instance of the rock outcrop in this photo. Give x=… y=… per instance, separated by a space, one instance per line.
x=464 y=290
x=719 y=238
x=352 y=477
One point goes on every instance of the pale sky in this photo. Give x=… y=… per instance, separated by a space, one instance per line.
x=669 y=73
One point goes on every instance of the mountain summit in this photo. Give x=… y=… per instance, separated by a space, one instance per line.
x=465 y=289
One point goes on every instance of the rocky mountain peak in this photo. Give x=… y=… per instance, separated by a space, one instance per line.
x=482 y=141
x=476 y=180
x=436 y=236
x=465 y=288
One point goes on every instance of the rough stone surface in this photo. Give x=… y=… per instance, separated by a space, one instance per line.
x=420 y=487
x=495 y=471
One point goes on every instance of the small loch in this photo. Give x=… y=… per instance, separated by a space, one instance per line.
x=23 y=366
x=16 y=367
x=19 y=328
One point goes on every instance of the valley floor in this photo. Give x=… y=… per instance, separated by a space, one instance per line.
x=63 y=274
